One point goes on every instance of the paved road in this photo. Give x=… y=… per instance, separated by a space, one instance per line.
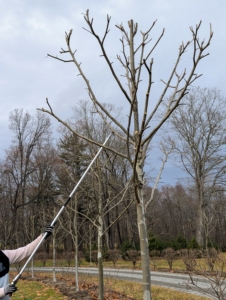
x=178 y=282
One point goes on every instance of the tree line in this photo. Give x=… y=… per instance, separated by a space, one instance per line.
x=36 y=176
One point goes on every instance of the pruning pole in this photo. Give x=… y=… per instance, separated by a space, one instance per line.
x=15 y=280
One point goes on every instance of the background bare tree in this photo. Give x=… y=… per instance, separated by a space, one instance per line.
x=28 y=165
x=200 y=127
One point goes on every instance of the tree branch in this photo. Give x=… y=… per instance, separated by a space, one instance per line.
x=50 y=112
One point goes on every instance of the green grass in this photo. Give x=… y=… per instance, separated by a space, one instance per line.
x=32 y=290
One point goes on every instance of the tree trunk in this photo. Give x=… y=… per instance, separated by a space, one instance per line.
x=90 y=245
x=100 y=237
x=199 y=224
x=200 y=211
x=76 y=242
x=107 y=234
x=144 y=250
x=142 y=229
x=54 y=255
x=76 y=268
x=100 y=260
x=32 y=268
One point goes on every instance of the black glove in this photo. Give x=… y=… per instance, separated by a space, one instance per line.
x=48 y=230
x=9 y=289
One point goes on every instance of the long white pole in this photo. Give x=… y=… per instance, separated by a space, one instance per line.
x=60 y=211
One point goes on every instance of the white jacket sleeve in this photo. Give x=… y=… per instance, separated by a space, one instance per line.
x=19 y=254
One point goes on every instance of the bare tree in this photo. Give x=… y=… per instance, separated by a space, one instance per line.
x=95 y=198
x=6 y=219
x=97 y=208
x=138 y=132
x=199 y=125
x=170 y=256
x=71 y=227
x=28 y=163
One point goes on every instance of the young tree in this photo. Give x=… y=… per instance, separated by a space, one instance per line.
x=95 y=199
x=199 y=126
x=138 y=132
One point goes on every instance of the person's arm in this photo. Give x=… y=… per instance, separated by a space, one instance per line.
x=19 y=254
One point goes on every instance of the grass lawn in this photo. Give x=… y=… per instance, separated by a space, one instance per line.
x=31 y=290
x=134 y=289
x=178 y=264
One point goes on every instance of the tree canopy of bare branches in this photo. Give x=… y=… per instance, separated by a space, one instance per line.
x=199 y=125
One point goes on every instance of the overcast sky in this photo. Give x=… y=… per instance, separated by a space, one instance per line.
x=31 y=29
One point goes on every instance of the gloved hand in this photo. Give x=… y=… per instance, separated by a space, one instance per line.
x=9 y=289
x=48 y=230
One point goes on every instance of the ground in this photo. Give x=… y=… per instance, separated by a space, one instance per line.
x=88 y=291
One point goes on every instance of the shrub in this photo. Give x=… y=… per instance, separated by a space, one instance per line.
x=114 y=256
x=80 y=257
x=189 y=258
x=70 y=257
x=210 y=244
x=127 y=245
x=87 y=252
x=42 y=256
x=94 y=256
x=170 y=256
x=133 y=256
x=212 y=255
x=180 y=243
x=105 y=253
x=154 y=254
x=193 y=244
x=155 y=243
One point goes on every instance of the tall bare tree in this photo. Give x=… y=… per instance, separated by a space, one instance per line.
x=27 y=164
x=139 y=131
x=200 y=129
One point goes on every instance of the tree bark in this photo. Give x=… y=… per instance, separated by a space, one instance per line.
x=100 y=239
x=144 y=250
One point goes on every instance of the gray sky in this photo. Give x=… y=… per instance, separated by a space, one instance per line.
x=31 y=29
